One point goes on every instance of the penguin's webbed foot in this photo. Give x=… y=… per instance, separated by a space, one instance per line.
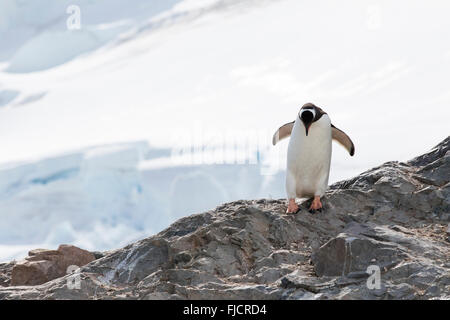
x=292 y=207
x=316 y=205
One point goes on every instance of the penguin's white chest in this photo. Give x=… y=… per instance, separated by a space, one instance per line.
x=308 y=159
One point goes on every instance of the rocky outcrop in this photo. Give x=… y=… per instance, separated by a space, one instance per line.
x=5 y=273
x=390 y=223
x=43 y=265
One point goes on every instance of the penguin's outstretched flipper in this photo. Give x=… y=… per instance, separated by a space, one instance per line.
x=341 y=137
x=283 y=132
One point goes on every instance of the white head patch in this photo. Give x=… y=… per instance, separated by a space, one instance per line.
x=309 y=110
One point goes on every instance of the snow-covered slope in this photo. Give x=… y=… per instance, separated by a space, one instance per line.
x=35 y=35
x=181 y=74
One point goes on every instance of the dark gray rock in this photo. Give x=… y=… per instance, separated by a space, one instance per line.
x=98 y=254
x=354 y=251
x=394 y=217
x=5 y=273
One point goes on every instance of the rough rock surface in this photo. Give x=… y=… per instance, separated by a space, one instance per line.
x=43 y=265
x=394 y=217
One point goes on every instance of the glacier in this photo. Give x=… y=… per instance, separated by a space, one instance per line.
x=102 y=197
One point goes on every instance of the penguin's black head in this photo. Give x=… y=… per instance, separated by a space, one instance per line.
x=308 y=115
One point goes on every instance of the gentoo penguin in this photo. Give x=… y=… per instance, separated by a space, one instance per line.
x=309 y=155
